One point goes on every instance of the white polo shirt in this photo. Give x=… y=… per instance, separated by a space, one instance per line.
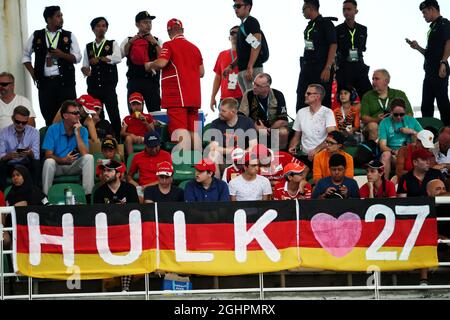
x=440 y=157
x=313 y=126
x=6 y=110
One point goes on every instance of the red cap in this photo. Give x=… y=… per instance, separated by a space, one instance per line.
x=422 y=154
x=97 y=104
x=205 y=165
x=164 y=169
x=172 y=22
x=87 y=102
x=293 y=168
x=261 y=150
x=136 y=97
x=113 y=165
x=249 y=156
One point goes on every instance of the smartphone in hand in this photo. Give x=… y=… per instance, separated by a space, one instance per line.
x=408 y=41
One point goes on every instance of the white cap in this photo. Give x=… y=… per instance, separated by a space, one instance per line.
x=426 y=137
x=237 y=154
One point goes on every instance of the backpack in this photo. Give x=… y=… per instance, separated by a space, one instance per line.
x=264 y=53
x=139 y=52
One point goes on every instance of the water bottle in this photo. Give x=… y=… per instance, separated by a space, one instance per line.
x=69 y=197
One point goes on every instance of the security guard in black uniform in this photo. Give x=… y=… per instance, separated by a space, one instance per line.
x=320 y=51
x=437 y=52
x=146 y=83
x=351 y=39
x=100 y=68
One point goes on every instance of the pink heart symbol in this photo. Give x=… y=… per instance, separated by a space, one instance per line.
x=337 y=236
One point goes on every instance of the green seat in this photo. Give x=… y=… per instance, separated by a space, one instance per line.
x=431 y=123
x=359 y=172
x=183 y=184
x=205 y=141
x=166 y=144
x=183 y=165
x=351 y=150
x=129 y=160
x=138 y=147
x=67 y=179
x=7 y=189
x=56 y=193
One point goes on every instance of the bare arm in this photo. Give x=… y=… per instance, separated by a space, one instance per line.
x=326 y=72
x=202 y=71
x=294 y=142
x=233 y=198
x=80 y=143
x=215 y=89
x=30 y=69
x=156 y=65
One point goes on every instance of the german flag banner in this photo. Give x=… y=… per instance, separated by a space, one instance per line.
x=94 y=242
x=362 y=235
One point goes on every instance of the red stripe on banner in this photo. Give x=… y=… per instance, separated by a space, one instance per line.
x=85 y=239
x=371 y=231
x=221 y=236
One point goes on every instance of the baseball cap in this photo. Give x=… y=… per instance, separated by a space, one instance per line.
x=376 y=164
x=164 y=168
x=152 y=139
x=426 y=137
x=337 y=136
x=144 y=15
x=135 y=97
x=96 y=103
x=205 y=165
x=261 y=150
x=422 y=154
x=293 y=168
x=237 y=154
x=109 y=143
x=113 y=165
x=429 y=3
x=86 y=101
x=172 y=22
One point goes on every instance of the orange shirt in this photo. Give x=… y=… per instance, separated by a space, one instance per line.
x=321 y=168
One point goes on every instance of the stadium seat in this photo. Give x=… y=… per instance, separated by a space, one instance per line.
x=129 y=160
x=166 y=144
x=359 y=172
x=183 y=184
x=183 y=163
x=56 y=193
x=205 y=141
x=138 y=147
x=7 y=189
x=351 y=150
x=432 y=124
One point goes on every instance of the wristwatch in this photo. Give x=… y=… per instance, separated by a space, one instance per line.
x=443 y=62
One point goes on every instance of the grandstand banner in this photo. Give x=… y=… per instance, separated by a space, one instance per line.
x=363 y=235
x=98 y=241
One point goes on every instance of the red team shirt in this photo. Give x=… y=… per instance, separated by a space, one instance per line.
x=275 y=172
x=390 y=191
x=223 y=61
x=280 y=192
x=136 y=126
x=231 y=172
x=180 y=79
x=148 y=166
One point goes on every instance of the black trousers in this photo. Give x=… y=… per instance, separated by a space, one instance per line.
x=435 y=87
x=34 y=166
x=310 y=74
x=355 y=74
x=107 y=94
x=52 y=93
x=149 y=90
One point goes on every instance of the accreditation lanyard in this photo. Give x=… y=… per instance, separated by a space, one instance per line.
x=102 y=44
x=309 y=31
x=352 y=38
x=266 y=111
x=53 y=42
x=232 y=55
x=384 y=108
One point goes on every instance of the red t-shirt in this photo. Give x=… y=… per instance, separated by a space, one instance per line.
x=390 y=191
x=223 y=61
x=280 y=192
x=180 y=79
x=136 y=126
x=231 y=172
x=275 y=171
x=147 y=166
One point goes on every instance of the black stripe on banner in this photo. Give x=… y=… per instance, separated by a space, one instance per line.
x=84 y=215
x=309 y=208
x=223 y=212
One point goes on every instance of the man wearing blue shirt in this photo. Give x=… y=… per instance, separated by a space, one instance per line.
x=206 y=187
x=337 y=186
x=67 y=149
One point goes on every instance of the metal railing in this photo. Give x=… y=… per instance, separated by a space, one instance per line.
x=261 y=290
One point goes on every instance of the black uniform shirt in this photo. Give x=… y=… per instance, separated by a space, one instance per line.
x=323 y=34
x=344 y=40
x=439 y=34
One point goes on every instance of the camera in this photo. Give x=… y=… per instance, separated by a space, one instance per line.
x=335 y=195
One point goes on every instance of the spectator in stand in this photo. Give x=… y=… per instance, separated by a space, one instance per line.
x=319 y=54
x=335 y=142
x=377 y=186
x=66 y=148
x=164 y=191
x=375 y=103
x=9 y=101
x=24 y=191
x=137 y=124
x=267 y=108
x=205 y=187
x=369 y=149
x=441 y=150
x=250 y=186
x=182 y=67
x=19 y=144
x=116 y=191
x=249 y=45
x=146 y=162
x=237 y=168
x=102 y=126
x=414 y=183
x=228 y=85
x=272 y=163
x=312 y=125
x=295 y=185
x=56 y=51
x=404 y=156
x=336 y=186
x=395 y=131
x=139 y=49
x=347 y=116
x=100 y=67
x=109 y=152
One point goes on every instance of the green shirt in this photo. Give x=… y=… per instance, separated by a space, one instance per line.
x=389 y=131
x=371 y=104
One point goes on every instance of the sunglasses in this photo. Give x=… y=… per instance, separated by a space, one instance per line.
x=5 y=84
x=238 y=5
x=330 y=142
x=398 y=114
x=20 y=122
x=75 y=113
x=310 y=93
x=233 y=33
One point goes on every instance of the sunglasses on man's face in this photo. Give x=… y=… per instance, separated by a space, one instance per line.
x=398 y=115
x=233 y=33
x=20 y=122
x=75 y=113
x=5 y=84
x=238 y=5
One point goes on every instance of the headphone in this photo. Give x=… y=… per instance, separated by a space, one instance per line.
x=353 y=94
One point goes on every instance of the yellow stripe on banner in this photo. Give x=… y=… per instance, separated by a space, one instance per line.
x=225 y=264
x=86 y=267
x=420 y=257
